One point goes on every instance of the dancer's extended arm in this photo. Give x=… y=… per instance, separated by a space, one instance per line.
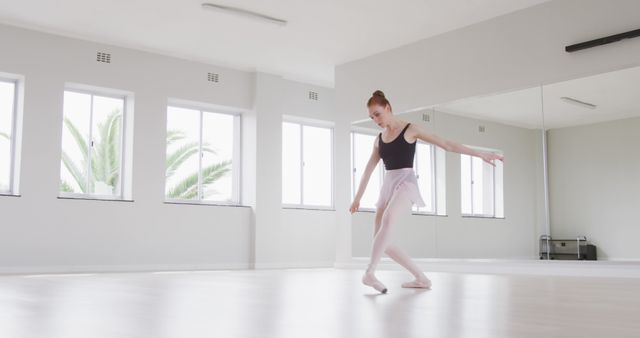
x=418 y=133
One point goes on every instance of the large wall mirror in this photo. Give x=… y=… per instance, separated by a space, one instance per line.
x=572 y=169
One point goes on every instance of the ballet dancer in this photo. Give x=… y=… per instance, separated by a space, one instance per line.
x=396 y=145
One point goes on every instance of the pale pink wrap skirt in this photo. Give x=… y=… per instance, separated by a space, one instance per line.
x=393 y=180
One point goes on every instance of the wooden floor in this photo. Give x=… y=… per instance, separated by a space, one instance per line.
x=323 y=303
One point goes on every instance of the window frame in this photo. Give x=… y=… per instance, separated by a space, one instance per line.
x=318 y=124
x=12 y=140
x=94 y=91
x=236 y=171
x=434 y=188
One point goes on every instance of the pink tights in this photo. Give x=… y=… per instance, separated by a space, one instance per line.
x=385 y=218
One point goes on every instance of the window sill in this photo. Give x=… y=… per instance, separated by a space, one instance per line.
x=372 y=211
x=213 y=204
x=9 y=195
x=487 y=217
x=92 y=198
x=425 y=214
x=289 y=207
x=367 y=211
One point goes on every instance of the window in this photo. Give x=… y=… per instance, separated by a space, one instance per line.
x=8 y=99
x=93 y=145
x=203 y=152
x=361 y=148
x=307 y=165
x=481 y=187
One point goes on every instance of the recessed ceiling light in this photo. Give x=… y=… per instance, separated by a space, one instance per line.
x=578 y=102
x=245 y=13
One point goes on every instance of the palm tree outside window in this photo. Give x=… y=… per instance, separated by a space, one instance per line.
x=202 y=156
x=92 y=145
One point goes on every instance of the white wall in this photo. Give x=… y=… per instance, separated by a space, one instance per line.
x=453 y=236
x=518 y=50
x=287 y=237
x=40 y=233
x=594 y=177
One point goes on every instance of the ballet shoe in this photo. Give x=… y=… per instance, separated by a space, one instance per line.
x=372 y=281
x=418 y=284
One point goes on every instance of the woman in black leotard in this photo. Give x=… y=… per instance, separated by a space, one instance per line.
x=396 y=146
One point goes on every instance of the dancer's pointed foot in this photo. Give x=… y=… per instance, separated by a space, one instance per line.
x=418 y=283
x=370 y=280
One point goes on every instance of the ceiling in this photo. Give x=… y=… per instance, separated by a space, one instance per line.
x=615 y=94
x=319 y=35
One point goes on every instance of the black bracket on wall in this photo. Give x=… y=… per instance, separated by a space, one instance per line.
x=602 y=41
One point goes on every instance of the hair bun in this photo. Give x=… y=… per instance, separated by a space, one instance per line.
x=378 y=98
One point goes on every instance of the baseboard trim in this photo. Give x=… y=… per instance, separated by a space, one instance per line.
x=293 y=265
x=609 y=268
x=75 y=269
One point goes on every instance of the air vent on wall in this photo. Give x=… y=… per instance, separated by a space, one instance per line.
x=213 y=77
x=103 y=57
x=481 y=129
x=426 y=117
x=313 y=96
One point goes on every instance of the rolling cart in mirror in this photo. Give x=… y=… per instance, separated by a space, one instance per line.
x=567 y=249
